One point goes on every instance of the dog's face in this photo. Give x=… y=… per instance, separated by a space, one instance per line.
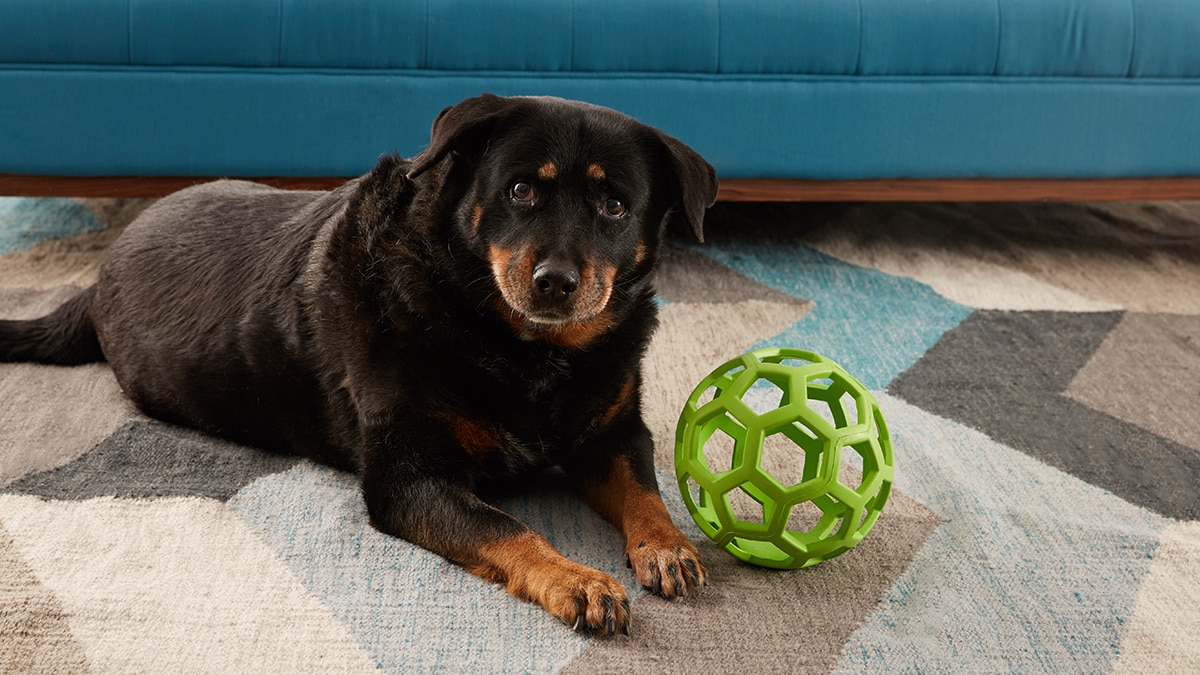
x=565 y=203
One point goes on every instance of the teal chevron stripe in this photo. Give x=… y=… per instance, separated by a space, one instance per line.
x=874 y=324
x=26 y=222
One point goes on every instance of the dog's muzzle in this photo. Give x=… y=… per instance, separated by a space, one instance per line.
x=551 y=290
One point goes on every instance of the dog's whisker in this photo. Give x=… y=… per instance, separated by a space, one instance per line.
x=486 y=301
x=478 y=280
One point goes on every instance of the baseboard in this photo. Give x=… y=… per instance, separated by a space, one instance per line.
x=732 y=189
x=960 y=190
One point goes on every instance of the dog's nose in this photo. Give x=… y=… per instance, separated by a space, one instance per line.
x=555 y=279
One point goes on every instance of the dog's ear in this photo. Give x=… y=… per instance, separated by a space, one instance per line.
x=695 y=182
x=460 y=126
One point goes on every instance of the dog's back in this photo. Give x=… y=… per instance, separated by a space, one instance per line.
x=199 y=310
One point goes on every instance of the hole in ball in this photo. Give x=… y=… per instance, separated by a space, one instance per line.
x=745 y=507
x=721 y=447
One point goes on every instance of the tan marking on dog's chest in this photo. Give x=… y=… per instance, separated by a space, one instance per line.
x=477 y=439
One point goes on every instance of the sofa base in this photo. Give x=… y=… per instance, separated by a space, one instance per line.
x=732 y=189
x=960 y=190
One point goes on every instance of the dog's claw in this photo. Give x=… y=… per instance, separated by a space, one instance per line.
x=669 y=571
x=680 y=587
x=615 y=618
x=596 y=606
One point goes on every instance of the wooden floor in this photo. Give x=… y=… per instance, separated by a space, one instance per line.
x=732 y=189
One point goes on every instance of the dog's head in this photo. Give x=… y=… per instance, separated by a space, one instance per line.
x=565 y=202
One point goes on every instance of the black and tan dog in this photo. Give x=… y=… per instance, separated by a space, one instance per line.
x=470 y=316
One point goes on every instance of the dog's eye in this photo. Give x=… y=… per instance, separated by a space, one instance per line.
x=614 y=208
x=523 y=193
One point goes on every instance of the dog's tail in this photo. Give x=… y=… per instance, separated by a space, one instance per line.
x=64 y=337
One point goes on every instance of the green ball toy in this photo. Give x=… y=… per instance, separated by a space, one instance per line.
x=783 y=458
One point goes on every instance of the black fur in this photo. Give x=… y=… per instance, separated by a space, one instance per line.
x=373 y=327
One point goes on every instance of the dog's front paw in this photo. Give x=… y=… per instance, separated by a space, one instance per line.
x=584 y=598
x=589 y=600
x=670 y=567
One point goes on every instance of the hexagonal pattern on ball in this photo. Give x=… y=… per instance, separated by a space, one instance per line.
x=783 y=458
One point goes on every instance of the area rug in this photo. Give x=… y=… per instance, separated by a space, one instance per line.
x=1038 y=366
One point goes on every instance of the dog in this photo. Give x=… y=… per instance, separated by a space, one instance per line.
x=463 y=319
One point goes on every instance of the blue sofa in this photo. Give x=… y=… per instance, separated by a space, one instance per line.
x=810 y=89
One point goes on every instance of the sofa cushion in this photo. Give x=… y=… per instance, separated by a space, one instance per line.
x=824 y=89
x=1021 y=38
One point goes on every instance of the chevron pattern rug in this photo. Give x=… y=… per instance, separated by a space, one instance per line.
x=1038 y=365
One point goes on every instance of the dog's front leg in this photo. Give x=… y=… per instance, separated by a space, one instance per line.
x=621 y=487
x=405 y=499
